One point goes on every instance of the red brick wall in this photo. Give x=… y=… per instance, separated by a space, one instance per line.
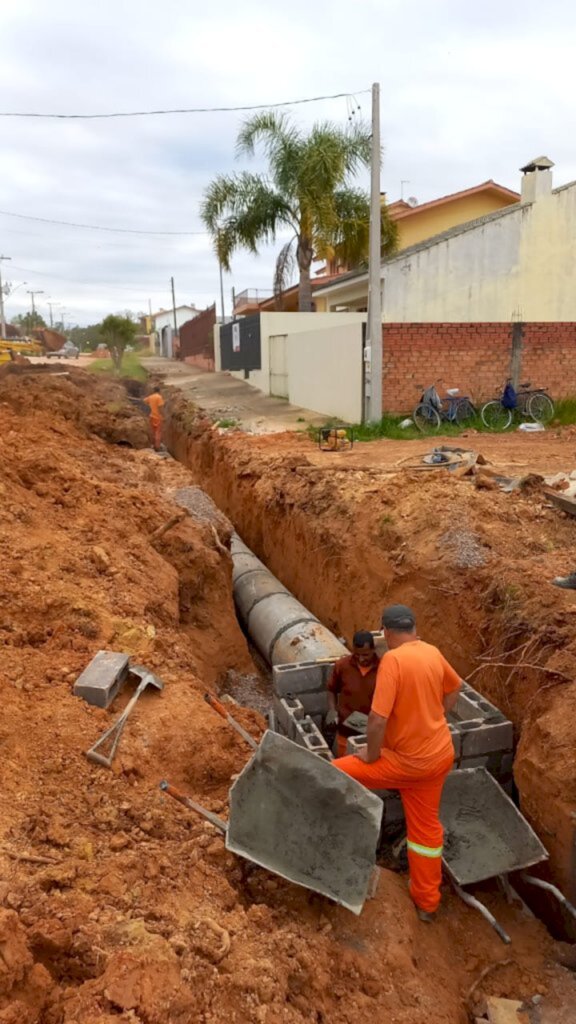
x=474 y=357
x=197 y=339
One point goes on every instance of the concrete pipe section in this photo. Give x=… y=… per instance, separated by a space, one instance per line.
x=282 y=629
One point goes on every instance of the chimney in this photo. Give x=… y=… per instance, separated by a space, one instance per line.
x=537 y=179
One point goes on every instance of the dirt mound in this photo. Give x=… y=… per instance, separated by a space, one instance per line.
x=115 y=903
x=97 y=406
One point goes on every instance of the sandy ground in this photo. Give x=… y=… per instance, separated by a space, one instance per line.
x=116 y=905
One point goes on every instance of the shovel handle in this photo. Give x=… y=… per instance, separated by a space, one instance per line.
x=181 y=797
x=216 y=705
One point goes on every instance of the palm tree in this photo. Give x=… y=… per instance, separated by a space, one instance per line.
x=308 y=189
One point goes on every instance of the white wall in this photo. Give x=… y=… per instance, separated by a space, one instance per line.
x=325 y=370
x=166 y=319
x=291 y=324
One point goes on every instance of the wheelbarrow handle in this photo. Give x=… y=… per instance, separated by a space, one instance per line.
x=177 y=794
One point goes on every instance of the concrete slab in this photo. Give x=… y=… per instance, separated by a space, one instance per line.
x=505 y=1011
x=101 y=680
x=296 y=815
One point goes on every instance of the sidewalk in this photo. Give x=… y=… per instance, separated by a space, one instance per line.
x=227 y=398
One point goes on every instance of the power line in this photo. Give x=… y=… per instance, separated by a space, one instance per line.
x=99 y=227
x=183 y=110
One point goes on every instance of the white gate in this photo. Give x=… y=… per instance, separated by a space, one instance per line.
x=278 y=365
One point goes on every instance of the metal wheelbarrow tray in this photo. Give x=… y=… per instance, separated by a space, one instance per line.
x=486 y=836
x=294 y=814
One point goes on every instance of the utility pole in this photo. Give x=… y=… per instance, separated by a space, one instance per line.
x=2 y=318
x=50 y=304
x=174 y=306
x=37 y=291
x=373 y=351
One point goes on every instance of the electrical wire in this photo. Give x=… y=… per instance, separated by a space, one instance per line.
x=99 y=227
x=183 y=110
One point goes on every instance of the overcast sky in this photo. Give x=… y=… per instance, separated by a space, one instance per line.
x=469 y=92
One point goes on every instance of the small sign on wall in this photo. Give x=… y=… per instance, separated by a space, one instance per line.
x=235 y=337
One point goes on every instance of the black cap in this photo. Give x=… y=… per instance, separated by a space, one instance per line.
x=399 y=618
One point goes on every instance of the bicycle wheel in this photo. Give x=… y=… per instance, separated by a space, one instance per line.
x=540 y=408
x=464 y=411
x=495 y=416
x=426 y=418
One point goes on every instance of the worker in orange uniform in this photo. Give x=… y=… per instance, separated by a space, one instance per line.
x=351 y=686
x=409 y=746
x=155 y=403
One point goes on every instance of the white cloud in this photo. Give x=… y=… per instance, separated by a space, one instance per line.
x=468 y=93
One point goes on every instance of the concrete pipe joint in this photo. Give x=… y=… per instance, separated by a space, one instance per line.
x=282 y=629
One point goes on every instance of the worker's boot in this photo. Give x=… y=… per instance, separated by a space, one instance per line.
x=566 y=582
x=426 y=916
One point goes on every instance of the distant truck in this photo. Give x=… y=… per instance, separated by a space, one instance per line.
x=68 y=351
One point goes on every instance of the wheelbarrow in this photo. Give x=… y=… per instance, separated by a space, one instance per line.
x=292 y=813
x=486 y=836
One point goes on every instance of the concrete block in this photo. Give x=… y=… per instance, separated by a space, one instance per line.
x=314 y=704
x=456 y=739
x=354 y=742
x=101 y=680
x=287 y=711
x=308 y=735
x=303 y=677
x=492 y=761
x=480 y=738
x=357 y=721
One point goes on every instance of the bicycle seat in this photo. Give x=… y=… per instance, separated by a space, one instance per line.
x=526 y=384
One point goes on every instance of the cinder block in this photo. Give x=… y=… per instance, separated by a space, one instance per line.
x=486 y=738
x=101 y=680
x=491 y=761
x=358 y=722
x=287 y=710
x=456 y=739
x=308 y=735
x=353 y=743
x=304 y=677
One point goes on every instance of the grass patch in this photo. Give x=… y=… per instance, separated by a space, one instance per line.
x=226 y=424
x=131 y=367
x=564 y=412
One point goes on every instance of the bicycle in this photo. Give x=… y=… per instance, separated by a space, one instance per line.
x=432 y=410
x=531 y=403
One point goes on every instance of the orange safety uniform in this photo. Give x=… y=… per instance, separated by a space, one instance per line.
x=417 y=755
x=155 y=403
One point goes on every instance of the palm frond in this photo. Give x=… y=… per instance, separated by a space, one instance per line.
x=284 y=271
x=242 y=211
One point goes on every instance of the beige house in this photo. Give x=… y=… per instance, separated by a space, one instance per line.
x=518 y=263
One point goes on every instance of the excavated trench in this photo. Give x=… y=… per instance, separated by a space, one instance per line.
x=298 y=521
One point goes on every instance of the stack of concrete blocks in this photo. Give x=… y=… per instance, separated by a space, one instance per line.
x=301 y=702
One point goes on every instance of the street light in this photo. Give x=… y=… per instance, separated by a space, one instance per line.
x=32 y=293
x=2 y=320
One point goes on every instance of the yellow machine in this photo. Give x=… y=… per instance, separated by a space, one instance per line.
x=18 y=347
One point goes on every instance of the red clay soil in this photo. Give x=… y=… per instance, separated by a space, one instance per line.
x=116 y=904
x=353 y=531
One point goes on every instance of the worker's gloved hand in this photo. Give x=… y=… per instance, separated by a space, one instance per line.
x=332 y=717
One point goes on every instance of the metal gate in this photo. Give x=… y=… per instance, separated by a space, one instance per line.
x=278 y=365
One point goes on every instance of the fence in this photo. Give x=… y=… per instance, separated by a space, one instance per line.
x=197 y=339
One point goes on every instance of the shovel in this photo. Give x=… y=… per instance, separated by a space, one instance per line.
x=111 y=738
x=221 y=710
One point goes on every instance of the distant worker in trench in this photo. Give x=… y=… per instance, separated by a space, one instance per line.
x=409 y=746
x=351 y=687
x=155 y=403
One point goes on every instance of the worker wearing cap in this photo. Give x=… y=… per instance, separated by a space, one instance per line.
x=154 y=401
x=409 y=746
x=351 y=686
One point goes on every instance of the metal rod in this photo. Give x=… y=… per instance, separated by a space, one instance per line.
x=548 y=887
x=473 y=902
x=219 y=823
x=374 y=324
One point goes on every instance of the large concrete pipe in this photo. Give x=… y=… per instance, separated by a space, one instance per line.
x=282 y=629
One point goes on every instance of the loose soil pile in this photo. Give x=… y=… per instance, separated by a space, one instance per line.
x=115 y=904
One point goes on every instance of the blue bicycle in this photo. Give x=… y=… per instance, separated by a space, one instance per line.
x=432 y=410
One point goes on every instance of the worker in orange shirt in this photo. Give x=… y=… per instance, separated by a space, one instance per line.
x=155 y=402
x=409 y=746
